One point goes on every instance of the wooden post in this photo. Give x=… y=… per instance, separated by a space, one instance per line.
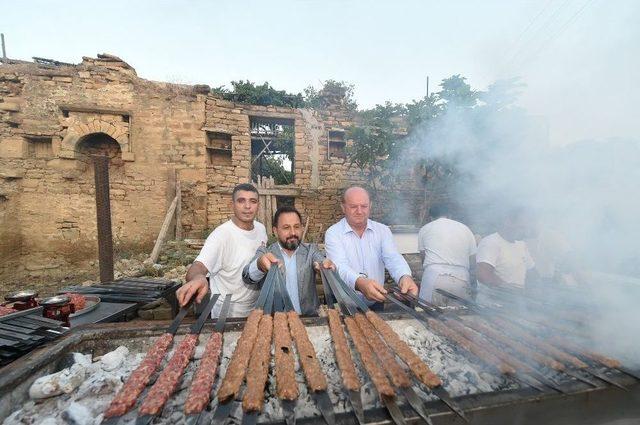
x=164 y=230
x=178 y=210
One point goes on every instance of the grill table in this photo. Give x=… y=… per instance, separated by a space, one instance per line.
x=580 y=405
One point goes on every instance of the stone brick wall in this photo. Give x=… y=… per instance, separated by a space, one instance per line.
x=53 y=117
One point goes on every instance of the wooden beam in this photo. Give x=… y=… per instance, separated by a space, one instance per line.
x=178 y=209
x=274 y=191
x=163 y=230
x=94 y=109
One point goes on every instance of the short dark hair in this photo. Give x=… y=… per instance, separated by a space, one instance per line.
x=244 y=186
x=283 y=210
x=438 y=210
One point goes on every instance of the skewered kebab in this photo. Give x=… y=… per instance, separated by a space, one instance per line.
x=397 y=373
x=543 y=346
x=415 y=363
x=343 y=355
x=286 y=385
x=596 y=357
x=373 y=368
x=345 y=362
x=126 y=398
x=236 y=370
x=483 y=327
x=316 y=381
x=170 y=377
x=200 y=389
x=384 y=353
x=258 y=366
x=471 y=346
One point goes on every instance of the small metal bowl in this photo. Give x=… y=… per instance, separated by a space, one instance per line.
x=21 y=296
x=55 y=301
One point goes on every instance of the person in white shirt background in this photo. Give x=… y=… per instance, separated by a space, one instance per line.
x=503 y=258
x=224 y=254
x=362 y=248
x=448 y=250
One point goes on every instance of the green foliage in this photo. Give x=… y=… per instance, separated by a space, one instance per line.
x=332 y=92
x=264 y=95
x=456 y=92
x=376 y=140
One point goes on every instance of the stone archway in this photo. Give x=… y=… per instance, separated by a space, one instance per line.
x=81 y=126
x=99 y=144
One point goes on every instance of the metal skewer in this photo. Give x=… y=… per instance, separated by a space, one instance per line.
x=196 y=418
x=195 y=330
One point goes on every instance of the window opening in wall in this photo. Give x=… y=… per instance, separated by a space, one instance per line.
x=272 y=149
x=285 y=201
x=39 y=147
x=65 y=113
x=218 y=148
x=125 y=118
x=336 y=144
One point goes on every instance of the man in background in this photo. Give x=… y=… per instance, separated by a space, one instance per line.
x=503 y=258
x=448 y=250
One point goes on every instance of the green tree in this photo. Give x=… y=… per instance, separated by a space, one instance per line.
x=332 y=93
x=264 y=95
x=376 y=140
x=457 y=93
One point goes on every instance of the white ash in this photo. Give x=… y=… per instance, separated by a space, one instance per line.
x=103 y=378
x=84 y=404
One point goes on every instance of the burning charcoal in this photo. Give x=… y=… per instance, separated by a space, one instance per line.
x=113 y=359
x=77 y=414
x=58 y=383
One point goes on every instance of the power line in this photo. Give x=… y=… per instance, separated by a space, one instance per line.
x=561 y=31
x=529 y=43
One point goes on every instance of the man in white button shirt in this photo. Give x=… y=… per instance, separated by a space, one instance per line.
x=225 y=252
x=300 y=261
x=448 y=250
x=503 y=258
x=362 y=248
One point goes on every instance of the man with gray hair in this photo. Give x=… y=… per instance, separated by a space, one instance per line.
x=362 y=248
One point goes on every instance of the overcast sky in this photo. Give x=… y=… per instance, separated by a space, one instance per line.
x=577 y=57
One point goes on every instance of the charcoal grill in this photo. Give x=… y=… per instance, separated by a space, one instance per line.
x=579 y=404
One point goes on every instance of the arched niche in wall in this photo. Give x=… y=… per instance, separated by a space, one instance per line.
x=81 y=123
x=99 y=144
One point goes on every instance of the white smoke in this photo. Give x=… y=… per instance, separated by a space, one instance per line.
x=584 y=194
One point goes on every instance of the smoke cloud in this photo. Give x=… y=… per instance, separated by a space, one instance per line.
x=583 y=195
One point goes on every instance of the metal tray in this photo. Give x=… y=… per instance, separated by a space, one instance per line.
x=92 y=303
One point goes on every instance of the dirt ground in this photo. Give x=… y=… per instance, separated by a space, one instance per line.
x=172 y=264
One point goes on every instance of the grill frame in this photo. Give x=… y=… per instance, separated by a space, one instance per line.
x=583 y=405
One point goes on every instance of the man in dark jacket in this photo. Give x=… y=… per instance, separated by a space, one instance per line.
x=300 y=261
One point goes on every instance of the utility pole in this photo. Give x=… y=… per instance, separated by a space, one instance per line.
x=427 y=86
x=4 y=51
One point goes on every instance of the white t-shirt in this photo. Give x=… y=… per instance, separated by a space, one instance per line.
x=446 y=242
x=511 y=260
x=225 y=252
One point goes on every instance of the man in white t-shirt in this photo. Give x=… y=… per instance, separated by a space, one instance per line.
x=448 y=250
x=224 y=254
x=503 y=258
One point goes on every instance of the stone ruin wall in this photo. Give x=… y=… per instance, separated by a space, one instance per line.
x=157 y=133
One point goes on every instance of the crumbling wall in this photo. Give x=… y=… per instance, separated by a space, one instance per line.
x=52 y=117
x=47 y=211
